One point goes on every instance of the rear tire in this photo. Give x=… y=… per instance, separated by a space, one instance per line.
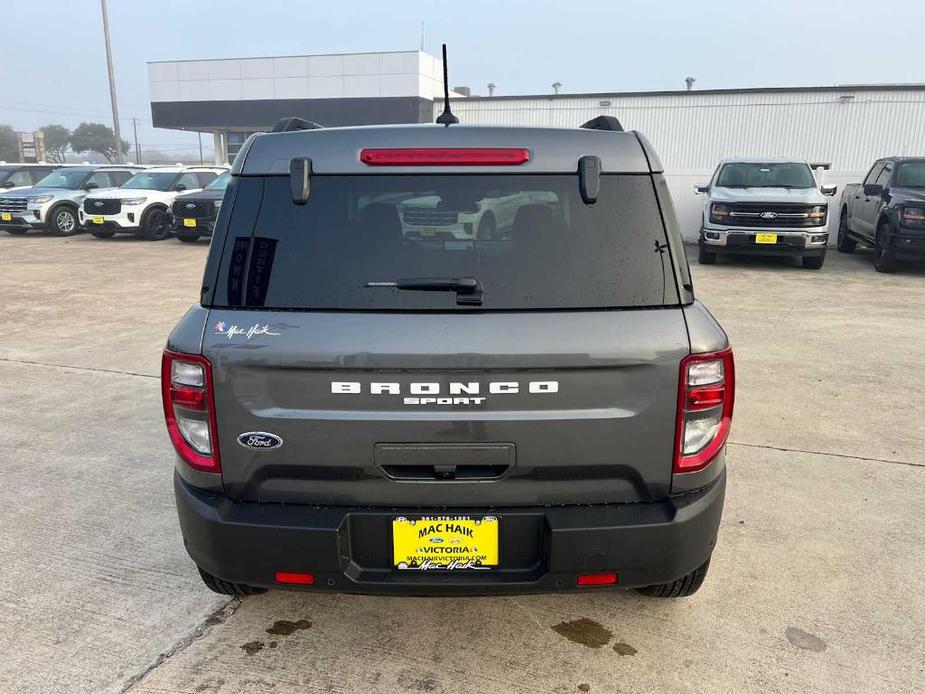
x=682 y=587
x=154 y=226
x=102 y=233
x=845 y=243
x=62 y=221
x=705 y=257
x=188 y=236
x=813 y=262
x=217 y=585
x=884 y=260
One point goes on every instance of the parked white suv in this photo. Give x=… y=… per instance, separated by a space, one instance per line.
x=141 y=205
x=765 y=207
x=54 y=201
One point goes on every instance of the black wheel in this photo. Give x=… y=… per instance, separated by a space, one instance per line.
x=813 y=262
x=188 y=236
x=217 y=585
x=488 y=227
x=845 y=243
x=705 y=257
x=62 y=221
x=682 y=587
x=16 y=231
x=884 y=260
x=101 y=233
x=154 y=226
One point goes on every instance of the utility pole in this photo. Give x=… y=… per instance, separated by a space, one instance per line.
x=200 y=148
x=137 y=150
x=112 y=84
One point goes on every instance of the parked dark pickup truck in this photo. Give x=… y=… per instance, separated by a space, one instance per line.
x=886 y=212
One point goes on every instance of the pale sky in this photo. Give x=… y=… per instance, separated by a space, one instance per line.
x=53 y=67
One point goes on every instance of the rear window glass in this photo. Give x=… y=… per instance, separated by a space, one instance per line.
x=529 y=240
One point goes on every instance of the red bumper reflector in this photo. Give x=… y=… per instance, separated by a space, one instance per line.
x=462 y=156
x=289 y=577
x=597 y=579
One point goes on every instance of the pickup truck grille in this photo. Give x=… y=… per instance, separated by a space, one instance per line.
x=430 y=217
x=777 y=215
x=13 y=204
x=102 y=206
x=201 y=209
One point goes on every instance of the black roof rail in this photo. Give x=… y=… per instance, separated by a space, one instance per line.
x=603 y=123
x=292 y=123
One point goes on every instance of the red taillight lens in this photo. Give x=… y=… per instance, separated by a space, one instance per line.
x=463 y=156
x=706 y=392
x=295 y=578
x=189 y=409
x=597 y=579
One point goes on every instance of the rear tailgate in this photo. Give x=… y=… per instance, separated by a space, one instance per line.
x=598 y=426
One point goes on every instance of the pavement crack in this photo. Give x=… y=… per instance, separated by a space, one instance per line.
x=218 y=616
x=828 y=453
x=119 y=372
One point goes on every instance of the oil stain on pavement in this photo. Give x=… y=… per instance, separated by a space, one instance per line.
x=284 y=627
x=805 y=640
x=585 y=631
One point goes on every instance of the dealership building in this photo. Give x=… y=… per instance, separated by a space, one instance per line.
x=840 y=129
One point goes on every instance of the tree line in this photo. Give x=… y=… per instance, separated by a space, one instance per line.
x=86 y=137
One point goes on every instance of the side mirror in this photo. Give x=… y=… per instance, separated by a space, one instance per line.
x=91 y=186
x=8 y=184
x=873 y=190
x=179 y=187
x=828 y=190
x=702 y=187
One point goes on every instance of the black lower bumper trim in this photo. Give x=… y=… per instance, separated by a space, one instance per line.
x=542 y=549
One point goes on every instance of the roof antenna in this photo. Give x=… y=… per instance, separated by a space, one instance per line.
x=446 y=118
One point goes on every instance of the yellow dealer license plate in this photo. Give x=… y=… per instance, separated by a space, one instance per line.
x=765 y=238
x=189 y=222
x=445 y=543
x=6 y=216
x=98 y=220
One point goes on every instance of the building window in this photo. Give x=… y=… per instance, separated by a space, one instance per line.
x=234 y=140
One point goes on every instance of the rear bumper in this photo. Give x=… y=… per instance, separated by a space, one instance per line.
x=204 y=227
x=543 y=549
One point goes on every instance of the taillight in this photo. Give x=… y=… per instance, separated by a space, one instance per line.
x=706 y=391
x=189 y=408
x=459 y=156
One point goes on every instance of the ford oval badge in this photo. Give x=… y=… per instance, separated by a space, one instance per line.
x=259 y=440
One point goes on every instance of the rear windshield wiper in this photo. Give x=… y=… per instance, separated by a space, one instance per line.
x=468 y=289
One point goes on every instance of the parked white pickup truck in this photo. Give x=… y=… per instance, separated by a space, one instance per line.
x=764 y=207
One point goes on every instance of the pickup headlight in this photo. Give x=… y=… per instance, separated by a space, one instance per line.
x=133 y=201
x=913 y=216
x=719 y=214
x=817 y=215
x=40 y=199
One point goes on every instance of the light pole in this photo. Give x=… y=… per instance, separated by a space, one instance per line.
x=112 y=84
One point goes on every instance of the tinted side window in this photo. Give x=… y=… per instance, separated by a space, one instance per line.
x=120 y=177
x=20 y=178
x=873 y=173
x=189 y=180
x=884 y=178
x=100 y=179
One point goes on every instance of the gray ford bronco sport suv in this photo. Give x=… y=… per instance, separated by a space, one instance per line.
x=379 y=393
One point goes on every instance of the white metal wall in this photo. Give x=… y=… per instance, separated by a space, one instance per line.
x=691 y=132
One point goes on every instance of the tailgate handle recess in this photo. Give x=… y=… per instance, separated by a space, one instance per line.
x=444 y=462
